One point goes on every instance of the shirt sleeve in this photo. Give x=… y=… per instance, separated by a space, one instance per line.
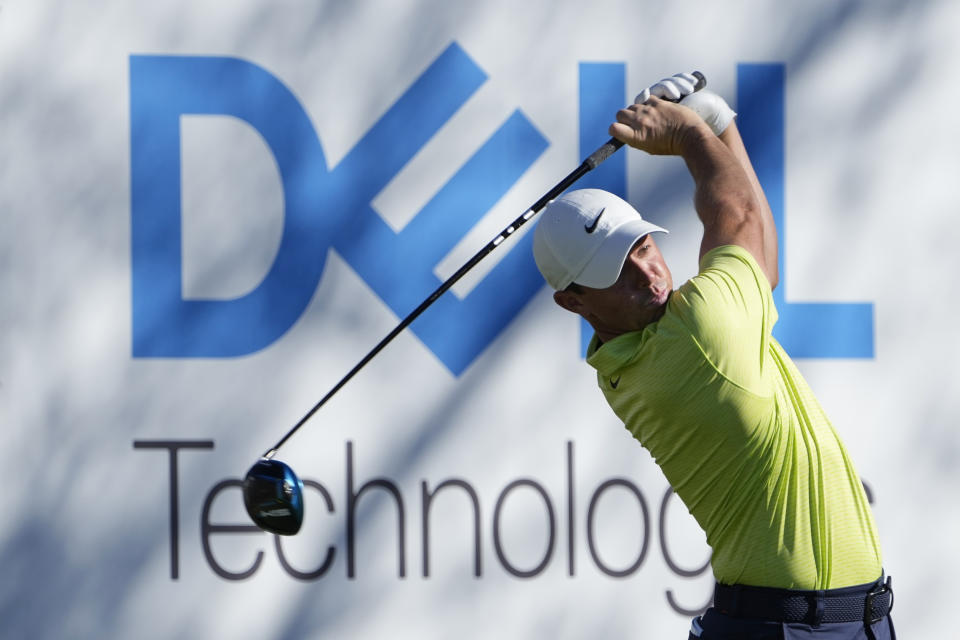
x=729 y=311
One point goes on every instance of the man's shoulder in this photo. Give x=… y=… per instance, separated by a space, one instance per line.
x=729 y=276
x=729 y=311
x=733 y=260
x=724 y=307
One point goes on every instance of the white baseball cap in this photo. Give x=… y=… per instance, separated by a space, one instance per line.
x=584 y=236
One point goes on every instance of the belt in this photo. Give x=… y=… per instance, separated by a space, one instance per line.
x=870 y=603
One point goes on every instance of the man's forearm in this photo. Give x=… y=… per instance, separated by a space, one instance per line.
x=725 y=199
x=731 y=138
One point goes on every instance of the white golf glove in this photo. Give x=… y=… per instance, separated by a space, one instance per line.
x=674 y=88
x=712 y=108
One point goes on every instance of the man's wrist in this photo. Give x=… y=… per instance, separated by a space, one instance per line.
x=712 y=108
x=694 y=138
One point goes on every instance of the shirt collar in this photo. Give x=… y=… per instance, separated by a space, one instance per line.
x=609 y=357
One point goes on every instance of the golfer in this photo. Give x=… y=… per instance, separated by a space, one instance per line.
x=697 y=377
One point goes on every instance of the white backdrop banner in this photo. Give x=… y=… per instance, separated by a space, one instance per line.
x=211 y=211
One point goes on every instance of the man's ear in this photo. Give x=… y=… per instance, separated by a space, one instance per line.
x=568 y=300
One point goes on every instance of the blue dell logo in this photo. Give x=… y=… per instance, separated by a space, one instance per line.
x=330 y=207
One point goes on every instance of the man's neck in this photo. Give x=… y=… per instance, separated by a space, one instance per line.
x=606 y=335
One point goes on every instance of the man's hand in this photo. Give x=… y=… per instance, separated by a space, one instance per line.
x=681 y=87
x=658 y=127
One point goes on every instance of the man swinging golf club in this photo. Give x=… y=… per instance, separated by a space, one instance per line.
x=698 y=379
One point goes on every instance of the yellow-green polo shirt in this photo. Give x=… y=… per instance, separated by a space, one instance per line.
x=739 y=434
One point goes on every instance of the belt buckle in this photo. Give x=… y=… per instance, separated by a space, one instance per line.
x=868 y=619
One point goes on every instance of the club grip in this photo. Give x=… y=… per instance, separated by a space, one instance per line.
x=602 y=153
x=701 y=81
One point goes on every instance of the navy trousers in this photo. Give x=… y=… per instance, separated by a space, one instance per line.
x=717 y=626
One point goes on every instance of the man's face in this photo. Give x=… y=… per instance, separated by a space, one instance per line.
x=637 y=298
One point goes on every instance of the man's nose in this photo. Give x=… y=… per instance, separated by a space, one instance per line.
x=644 y=272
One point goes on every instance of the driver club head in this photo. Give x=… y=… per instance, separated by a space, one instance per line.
x=273 y=496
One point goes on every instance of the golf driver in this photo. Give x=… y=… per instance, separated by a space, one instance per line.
x=272 y=492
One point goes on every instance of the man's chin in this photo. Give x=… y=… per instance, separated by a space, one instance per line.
x=658 y=300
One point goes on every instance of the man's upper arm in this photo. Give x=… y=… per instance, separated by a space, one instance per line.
x=742 y=228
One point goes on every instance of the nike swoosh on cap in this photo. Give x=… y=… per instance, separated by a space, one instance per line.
x=615 y=383
x=593 y=226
